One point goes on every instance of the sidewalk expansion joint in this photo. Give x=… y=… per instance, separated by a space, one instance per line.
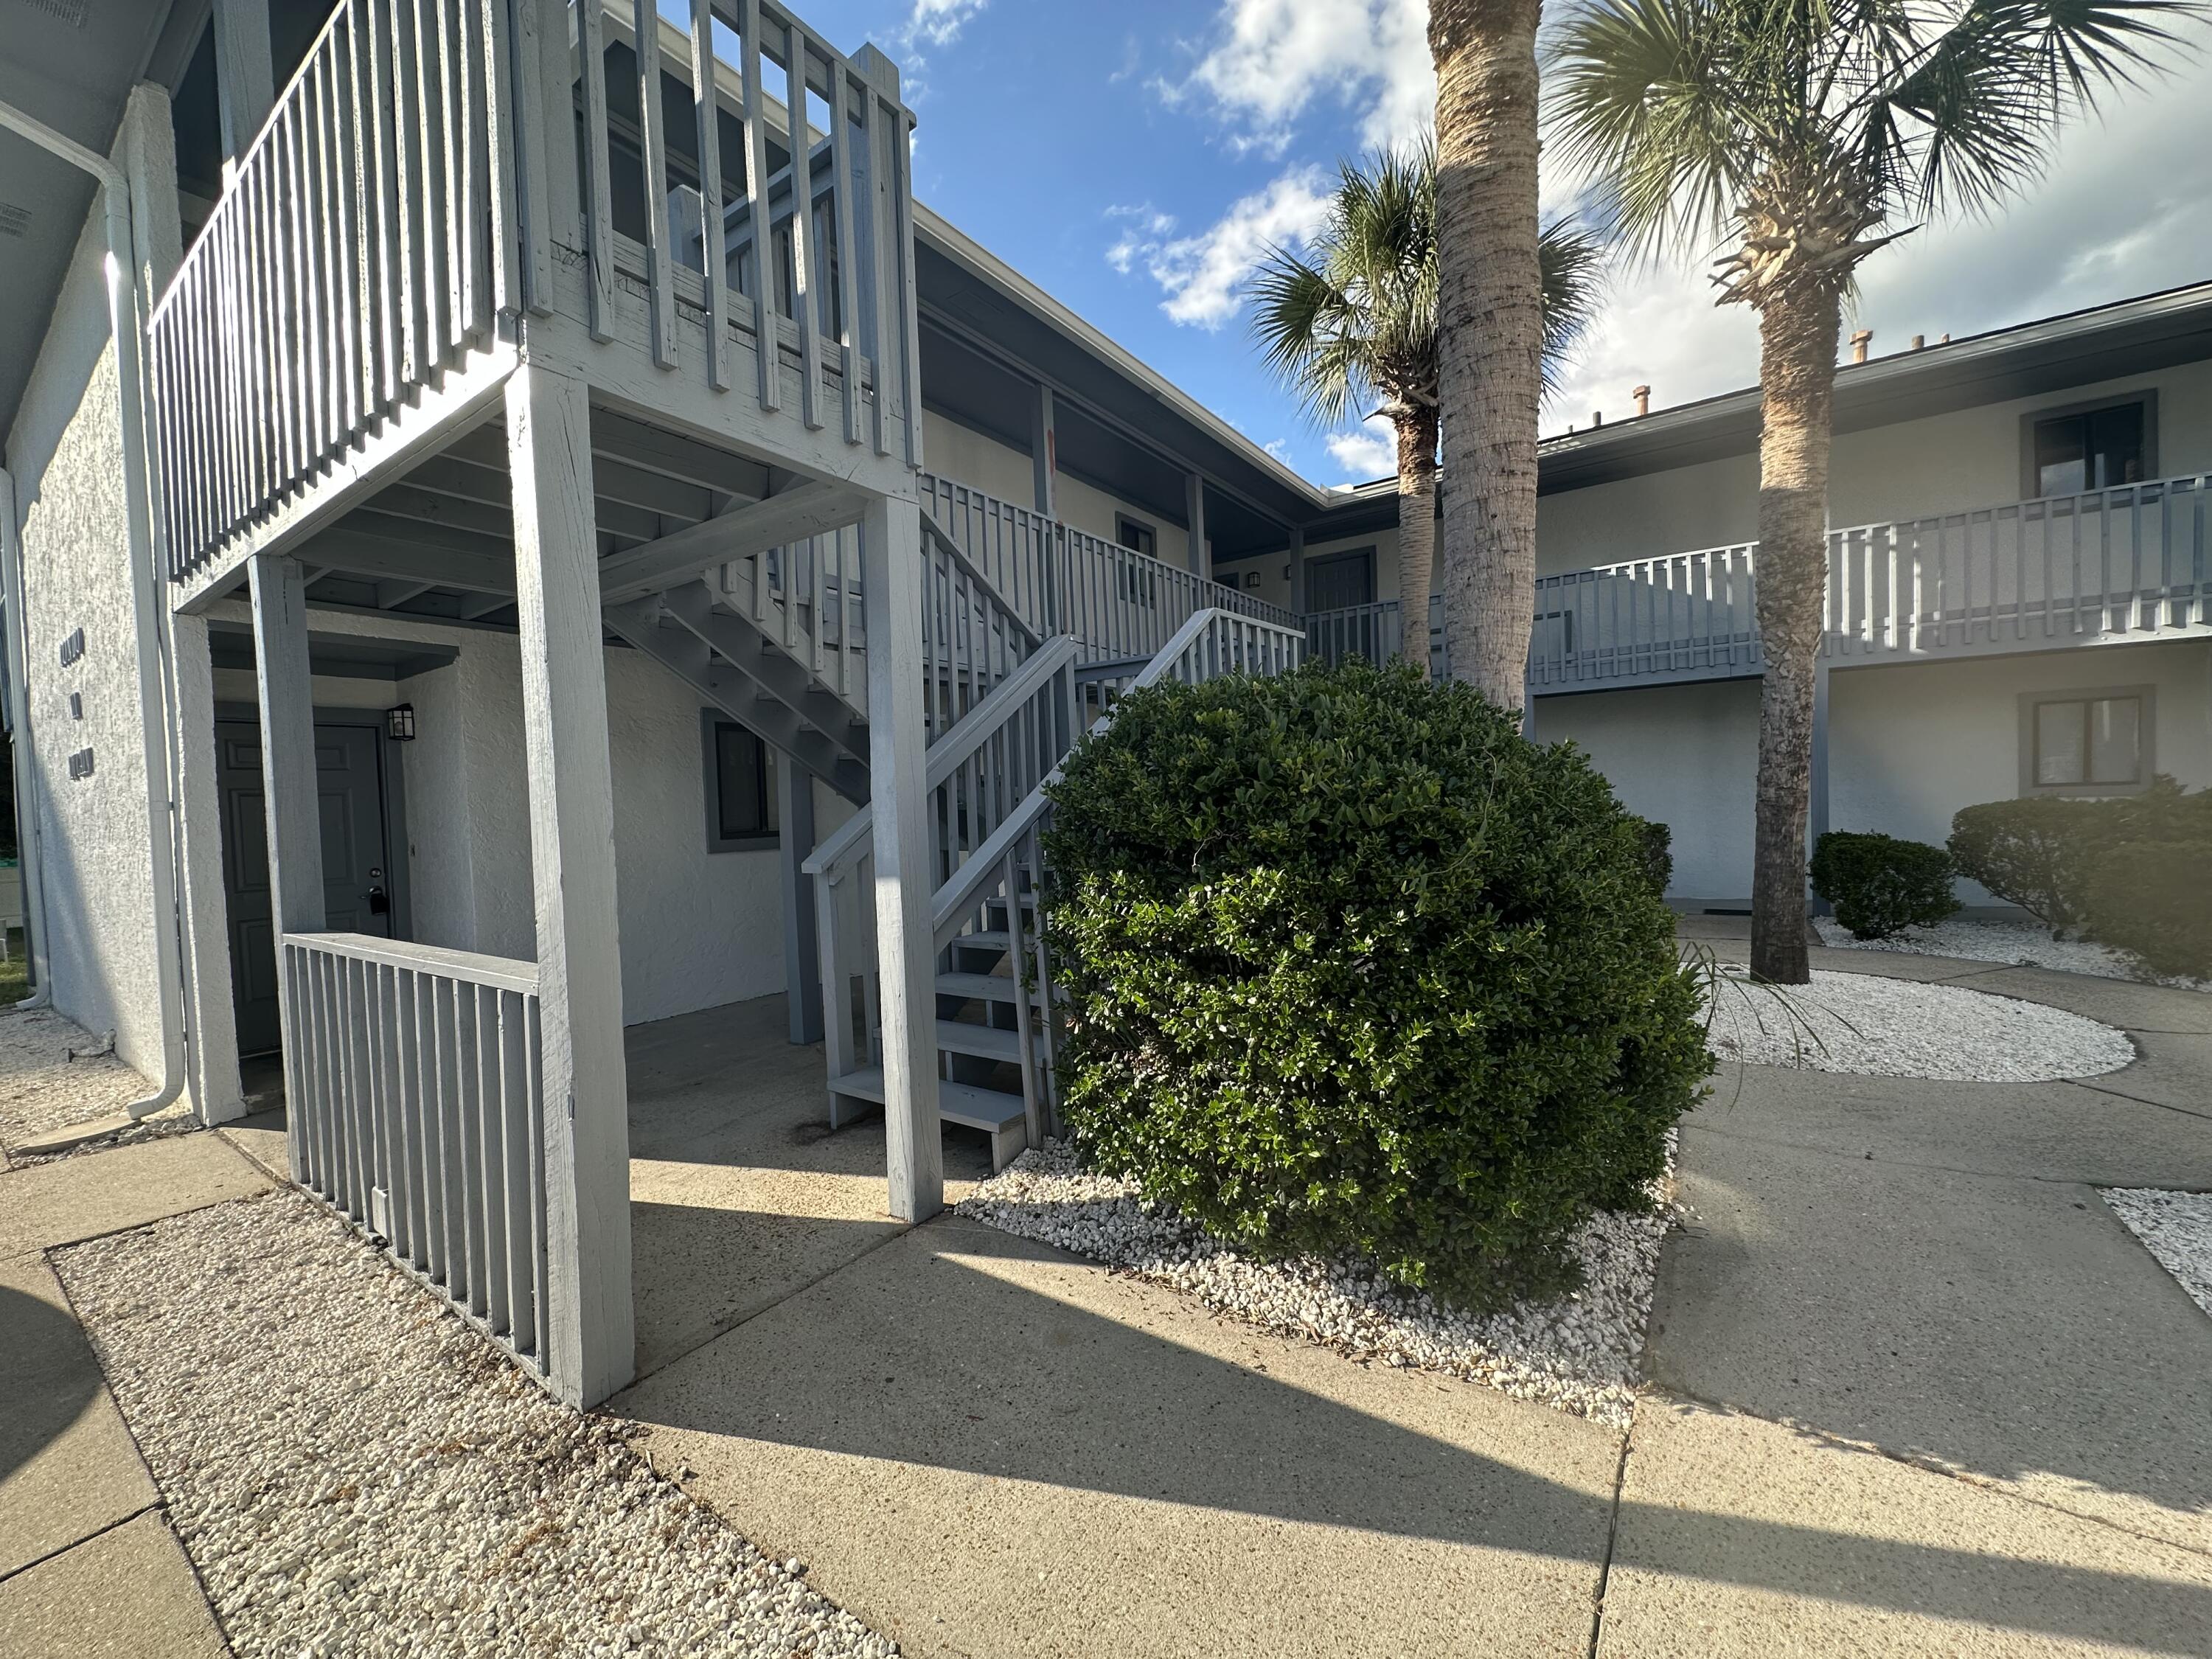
x=158 y=1506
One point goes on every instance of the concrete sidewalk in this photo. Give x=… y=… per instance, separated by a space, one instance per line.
x=1920 y=1395
x=89 y=1566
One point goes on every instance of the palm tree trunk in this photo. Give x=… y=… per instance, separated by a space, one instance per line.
x=1416 y=529
x=1797 y=334
x=1492 y=324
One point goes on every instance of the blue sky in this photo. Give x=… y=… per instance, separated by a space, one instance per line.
x=1133 y=156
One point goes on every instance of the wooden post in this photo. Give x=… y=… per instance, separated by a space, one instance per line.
x=592 y=1337
x=891 y=553
x=1193 y=497
x=1297 y=556
x=289 y=787
x=802 y=943
x=244 y=74
x=1044 y=451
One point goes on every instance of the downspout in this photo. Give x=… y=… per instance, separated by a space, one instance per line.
x=19 y=730
x=146 y=590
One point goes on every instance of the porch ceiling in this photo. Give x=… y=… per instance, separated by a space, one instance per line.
x=439 y=543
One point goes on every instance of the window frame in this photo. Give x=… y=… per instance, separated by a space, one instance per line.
x=2029 y=420
x=711 y=720
x=1365 y=552
x=1151 y=532
x=2145 y=698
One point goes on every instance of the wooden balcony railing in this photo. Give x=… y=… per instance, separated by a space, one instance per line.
x=410 y=188
x=2132 y=561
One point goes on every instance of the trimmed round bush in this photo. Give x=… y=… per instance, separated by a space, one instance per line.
x=1881 y=884
x=1353 y=967
x=1658 y=854
x=2032 y=852
x=2150 y=901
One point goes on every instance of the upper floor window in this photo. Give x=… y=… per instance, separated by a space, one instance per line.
x=2075 y=450
x=2085 y=743
x=1136 y=535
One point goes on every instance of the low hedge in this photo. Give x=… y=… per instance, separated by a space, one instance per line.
x=1353 y=966
x=2127 y=871
x=1881 y=885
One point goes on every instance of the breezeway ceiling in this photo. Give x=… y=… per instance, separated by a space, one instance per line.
x=69 y=64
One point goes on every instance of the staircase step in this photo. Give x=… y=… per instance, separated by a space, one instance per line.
x=986 y=1041
x=980 y=988
x=990 y=938
x=988 y=1110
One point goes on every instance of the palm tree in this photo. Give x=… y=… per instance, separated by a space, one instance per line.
x=1352 y=329
x=1492 y=373
x=1800 y=137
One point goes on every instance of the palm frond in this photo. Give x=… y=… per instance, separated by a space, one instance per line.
x=1571 y=263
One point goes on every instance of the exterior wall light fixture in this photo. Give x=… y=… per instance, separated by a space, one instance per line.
x=399 y=723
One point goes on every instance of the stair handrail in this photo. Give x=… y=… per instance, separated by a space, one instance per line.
x=975 y=574
x=949 y=905
x=953 y=751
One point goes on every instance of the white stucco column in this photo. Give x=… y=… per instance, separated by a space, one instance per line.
x=591 y=1321
x=890 y=552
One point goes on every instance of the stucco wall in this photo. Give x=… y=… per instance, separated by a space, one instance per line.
x=65 y=450
x=698 y=928
x=1683 y=754
x=1896 y=766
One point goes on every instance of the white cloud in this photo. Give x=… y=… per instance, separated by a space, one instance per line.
x=2125 y=210
x=1371 y=452
x=1269 y=59
x=1204 y=275
x=938 y=22
x=1280 y=448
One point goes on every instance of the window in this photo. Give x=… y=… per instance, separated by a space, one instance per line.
x=2093 y=743
x=1136 y=535
x=740 y=787
x=2070 y=450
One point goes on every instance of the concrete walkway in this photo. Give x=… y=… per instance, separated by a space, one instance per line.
x=1920 y=1394
x=88 y=1566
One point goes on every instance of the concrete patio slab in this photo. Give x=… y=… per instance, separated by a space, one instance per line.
x=2010 y=1328
x=740 y=1194
x=2050 y=1131
x=261 y=1137
x=128 y=1594
x=1741 y=1537
x=74 y=1198
x=69 y=1467
x=986 y=1447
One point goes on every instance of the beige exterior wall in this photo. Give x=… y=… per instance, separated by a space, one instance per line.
x=1913 y=468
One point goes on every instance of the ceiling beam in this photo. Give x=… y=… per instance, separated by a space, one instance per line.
x=809 y=509
x=348 y=549
x=621 y=439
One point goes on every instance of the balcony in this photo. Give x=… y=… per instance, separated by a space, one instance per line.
x=2110 y=565
x=448 y=185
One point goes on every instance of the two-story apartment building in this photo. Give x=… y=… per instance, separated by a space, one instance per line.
x=454 y=614
x=2017 y=596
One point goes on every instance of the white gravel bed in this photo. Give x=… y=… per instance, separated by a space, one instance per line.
x=2022 y=943
x=41 y=1087
x=1875 y=1027
x=355 y=1472
x=2176 y=1228
x=1578 y=1353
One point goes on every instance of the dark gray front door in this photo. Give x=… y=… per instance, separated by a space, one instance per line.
x=1342 y=580
x=357 y=876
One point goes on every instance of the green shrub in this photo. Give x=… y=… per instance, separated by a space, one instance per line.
x=1881 y=885
x=2043 y=853
x=2034 y=853
x=1658 y=844
x=1353 y=966
x=2150 y=901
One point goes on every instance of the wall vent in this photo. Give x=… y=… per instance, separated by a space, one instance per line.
x=71 y=12
x=14 y=219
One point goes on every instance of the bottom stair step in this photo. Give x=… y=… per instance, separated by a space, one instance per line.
x=987 y=1109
